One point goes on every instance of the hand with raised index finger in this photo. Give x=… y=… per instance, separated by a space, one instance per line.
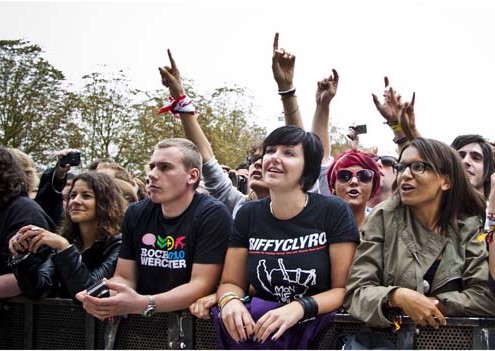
x=283 y=64
x=392 y=107
x=327 y=89
x=171 y=77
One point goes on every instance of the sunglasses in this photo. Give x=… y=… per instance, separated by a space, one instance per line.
x=253 y=158
x=387 y=161
x=364 y=176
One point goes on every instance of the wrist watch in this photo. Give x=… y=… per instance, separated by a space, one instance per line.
x=151 y=308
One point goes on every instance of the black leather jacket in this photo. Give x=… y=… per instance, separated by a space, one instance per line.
x=67 y=272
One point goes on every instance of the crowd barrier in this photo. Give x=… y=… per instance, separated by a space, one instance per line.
x=61 y=324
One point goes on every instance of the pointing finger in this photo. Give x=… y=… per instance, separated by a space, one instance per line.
x=172 y=61
x=275 y=43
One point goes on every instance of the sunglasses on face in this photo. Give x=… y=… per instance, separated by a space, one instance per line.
x=253 y=158
x=387 y=161
x=364 y=175
x=416 y=168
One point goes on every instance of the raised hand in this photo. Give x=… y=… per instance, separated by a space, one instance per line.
x=171 y=77
x=407 y=119
x=327 y=88
x=391 y=108
x=283 y=64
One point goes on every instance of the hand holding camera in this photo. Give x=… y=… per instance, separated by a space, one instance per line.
x=66 y=159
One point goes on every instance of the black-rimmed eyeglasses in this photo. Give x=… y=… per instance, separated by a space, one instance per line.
x=417 y=168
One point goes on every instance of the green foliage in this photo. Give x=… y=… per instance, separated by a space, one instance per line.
x=35 y=106
x=107 y=118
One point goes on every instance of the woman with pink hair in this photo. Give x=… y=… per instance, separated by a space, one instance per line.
x=354 y=176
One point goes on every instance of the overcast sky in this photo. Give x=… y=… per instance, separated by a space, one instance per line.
x=443 y=50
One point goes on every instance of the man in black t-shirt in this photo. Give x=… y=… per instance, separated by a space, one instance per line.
x=174 y=243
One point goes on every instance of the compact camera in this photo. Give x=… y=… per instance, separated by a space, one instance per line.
x=72 y=158
x=360 y=129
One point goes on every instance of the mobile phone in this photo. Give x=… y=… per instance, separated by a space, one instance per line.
x=360 y=129
x=72 y=158
x=98 y=290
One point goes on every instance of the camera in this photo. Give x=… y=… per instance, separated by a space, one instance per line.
x=98 y=290
x=72 y=158
x=360 y=129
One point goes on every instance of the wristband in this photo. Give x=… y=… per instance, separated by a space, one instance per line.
x=310 y=307
x=400 y=141
x=288 y=92
x=183 y=104
x=394 y=125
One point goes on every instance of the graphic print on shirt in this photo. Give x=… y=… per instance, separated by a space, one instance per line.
x=295 y=281
x=166 y=251
x=288 y=275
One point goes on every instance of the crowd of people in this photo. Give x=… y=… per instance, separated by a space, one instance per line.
x=379 y=234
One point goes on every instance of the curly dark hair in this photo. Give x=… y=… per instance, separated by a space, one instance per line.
x=110 y=207
x=12 y=178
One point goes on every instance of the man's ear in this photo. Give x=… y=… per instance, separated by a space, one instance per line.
x=194 y=176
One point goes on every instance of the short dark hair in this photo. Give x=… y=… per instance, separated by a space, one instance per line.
x=488 y=158
x=312 y=147
x=461 y=199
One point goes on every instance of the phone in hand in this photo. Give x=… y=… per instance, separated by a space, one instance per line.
x=360 y=129
x=72 y=158
x=98 y=290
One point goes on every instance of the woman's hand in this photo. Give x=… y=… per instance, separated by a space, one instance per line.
x=283 y=64
x=201 y=307
x=391 y=108
x=327 y=89
x=421 y=309
x=277 y=321
x=33 y=237
x=237 y=320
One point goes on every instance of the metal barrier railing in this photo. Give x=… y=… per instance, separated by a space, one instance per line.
x=61 y=324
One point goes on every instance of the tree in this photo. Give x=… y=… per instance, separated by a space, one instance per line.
x=36 y=109
x=107 y=111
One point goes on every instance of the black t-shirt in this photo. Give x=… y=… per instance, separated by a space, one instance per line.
x=165 y=249
x=14 y=215
x=290 y=258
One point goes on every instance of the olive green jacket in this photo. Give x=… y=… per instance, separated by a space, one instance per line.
x=396 y=251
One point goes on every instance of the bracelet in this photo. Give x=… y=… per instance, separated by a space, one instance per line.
x=229 y=296
x=310 y=307
x=183 y=104
x=394 y=125
x=400 y=141
x=490 y=218
x=288 y=92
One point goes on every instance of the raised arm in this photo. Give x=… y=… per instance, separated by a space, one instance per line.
x=325 y=92
x=283 y=64
x=192 y=129
x=392 y=109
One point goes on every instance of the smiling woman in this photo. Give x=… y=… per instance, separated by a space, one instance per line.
x=420 y=252
x=293 y=249
x=86 y=249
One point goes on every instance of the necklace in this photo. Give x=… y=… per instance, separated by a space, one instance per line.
x=305 y=204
